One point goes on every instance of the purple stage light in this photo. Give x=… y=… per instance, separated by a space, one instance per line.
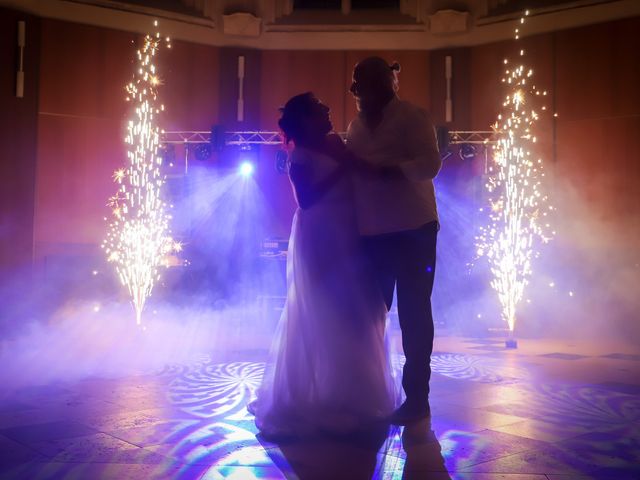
x=246 y=169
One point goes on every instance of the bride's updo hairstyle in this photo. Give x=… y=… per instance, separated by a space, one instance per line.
x=293 y=114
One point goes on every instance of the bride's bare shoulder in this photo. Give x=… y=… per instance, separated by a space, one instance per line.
x=305 y=156
x=299 y=155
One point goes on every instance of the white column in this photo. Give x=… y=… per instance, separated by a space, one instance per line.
x=448 y=74
x=240 y=111
x=346 y=7
x=20 y=72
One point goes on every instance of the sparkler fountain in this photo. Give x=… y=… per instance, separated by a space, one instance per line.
x=138 y=239
x=518 y=217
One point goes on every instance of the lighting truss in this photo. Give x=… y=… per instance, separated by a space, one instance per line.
x=185 y=137
x=253 y=138
x=230 y=138
x=274 y=138
x=476 y=137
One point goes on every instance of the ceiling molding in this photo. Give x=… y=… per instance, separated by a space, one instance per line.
x=416 y=36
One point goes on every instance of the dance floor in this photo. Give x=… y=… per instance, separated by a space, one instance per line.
x=548 y=410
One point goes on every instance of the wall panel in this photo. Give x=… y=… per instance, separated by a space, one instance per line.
x=18 y=137
x=288 y=73
x=191 y=75
x=598 y=103
x=84 y=69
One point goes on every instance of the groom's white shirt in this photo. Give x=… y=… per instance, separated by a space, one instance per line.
x=405 y=138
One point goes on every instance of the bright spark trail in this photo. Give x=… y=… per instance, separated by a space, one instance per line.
x=519 y=211
x=138 y=239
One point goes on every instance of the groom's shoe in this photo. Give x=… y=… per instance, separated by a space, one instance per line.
x=408 y=414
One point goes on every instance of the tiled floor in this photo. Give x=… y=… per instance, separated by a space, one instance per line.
x=546 y=411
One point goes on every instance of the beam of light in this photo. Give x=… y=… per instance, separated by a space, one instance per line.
x=138 y=239
x=518 y=214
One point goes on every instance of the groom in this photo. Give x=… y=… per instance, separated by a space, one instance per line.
x=396 y=158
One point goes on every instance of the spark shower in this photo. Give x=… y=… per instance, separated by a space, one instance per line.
x=519 y=210
x=138 y=239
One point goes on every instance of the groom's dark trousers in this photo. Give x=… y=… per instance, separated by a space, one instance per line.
x=407 y=260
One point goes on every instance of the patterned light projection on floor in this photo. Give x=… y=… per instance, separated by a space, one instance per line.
x=212 y=434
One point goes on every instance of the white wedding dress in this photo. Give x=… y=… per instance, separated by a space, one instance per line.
x=329 y=367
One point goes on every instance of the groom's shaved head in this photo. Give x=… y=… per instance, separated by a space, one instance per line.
x=374 y=83
x=374 y=66
x=376 y=70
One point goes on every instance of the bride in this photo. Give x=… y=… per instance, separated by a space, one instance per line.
x=329 y=368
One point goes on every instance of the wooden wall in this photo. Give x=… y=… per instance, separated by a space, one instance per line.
x=81 y=113
x=592 y=74
x=592 y=155
x=598 y=129
x=81 y=123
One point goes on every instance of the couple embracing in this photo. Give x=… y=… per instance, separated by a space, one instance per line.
x=366 y=224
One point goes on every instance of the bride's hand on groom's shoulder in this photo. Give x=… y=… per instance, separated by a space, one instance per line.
x=333 y=137
x=335 y=146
